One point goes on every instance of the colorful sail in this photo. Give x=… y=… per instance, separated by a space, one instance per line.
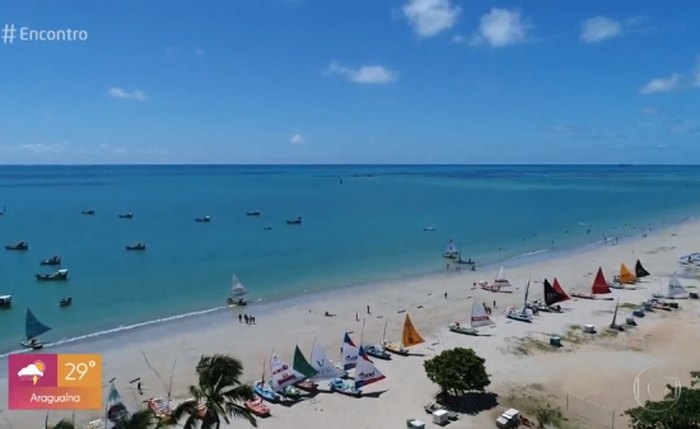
x=626 y=276
x=553 y=294
x=560 y=290
x=676 y=289
x=639 y=270
x=365 y=372
x=282 y=374
x=501 y=280
x=600 y=285
x=237 y=288
x=479 y=316
x=323 y=366
x=350 y=353
x=410 y=336
x=33 y=327
x=301 y=365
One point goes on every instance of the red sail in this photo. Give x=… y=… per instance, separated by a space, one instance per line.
x=600 y=285
x=559 y=290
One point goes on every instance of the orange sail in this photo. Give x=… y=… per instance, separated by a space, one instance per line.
x=410 y=336
x=560 y=290
x=626 y=276
x=600 y=285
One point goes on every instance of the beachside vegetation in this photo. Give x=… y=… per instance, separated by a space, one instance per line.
x=218 y=396
x=63 y=424
x=142 y=419
x=680 y=409
x=547 y=415
x=457 y=371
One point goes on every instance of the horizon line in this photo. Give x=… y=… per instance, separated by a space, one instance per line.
x=183 y=164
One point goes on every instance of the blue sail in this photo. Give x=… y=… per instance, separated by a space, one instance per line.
x=33 y=327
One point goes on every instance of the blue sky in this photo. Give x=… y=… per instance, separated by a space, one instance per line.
x=362 y=81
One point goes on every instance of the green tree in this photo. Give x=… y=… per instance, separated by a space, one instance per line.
x=142 y=419
x=679 y=409
x=457 y=371
x=217 y=397
x=548 y=415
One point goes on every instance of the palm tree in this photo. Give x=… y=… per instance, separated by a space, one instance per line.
x=143 y=419
x=218 y=395
x=64 y=424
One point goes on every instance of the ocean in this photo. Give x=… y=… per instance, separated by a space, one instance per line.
x=360 y=224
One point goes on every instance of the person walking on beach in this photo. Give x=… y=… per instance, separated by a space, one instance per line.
x=252 y=320
x=445 y=295
x=368 y=312
x=138 y=387
x=247 y=320
x=240 y=318
x=357 y=317
x=494 y=303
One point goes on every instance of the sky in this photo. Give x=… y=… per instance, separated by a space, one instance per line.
x=362 y=81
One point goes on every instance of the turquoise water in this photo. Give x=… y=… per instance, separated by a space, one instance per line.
x=368 y=228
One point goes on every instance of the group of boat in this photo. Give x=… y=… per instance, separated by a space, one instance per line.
x=455 y=255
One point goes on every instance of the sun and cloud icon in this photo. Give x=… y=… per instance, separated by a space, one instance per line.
x=34 y=371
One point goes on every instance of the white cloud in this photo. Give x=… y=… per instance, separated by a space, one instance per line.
x=662 y=84
x=501 y=27
x=136 y=94
x=594 y=30
x=30 y=370
x=369 y=74
x=684 y=126
x=112 y=149
x=431 y=17
x=297 y=139
x=42 y=148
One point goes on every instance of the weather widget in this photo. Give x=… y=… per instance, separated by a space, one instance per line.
x=55 y=382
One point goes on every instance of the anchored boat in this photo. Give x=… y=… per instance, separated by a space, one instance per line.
x=32 y=329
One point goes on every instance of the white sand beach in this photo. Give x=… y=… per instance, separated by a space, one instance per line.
x=601 y=368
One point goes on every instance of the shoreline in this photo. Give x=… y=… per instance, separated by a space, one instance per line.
x=203 y=317
x=613 y=361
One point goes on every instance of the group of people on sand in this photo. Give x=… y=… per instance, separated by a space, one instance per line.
x=249 y=320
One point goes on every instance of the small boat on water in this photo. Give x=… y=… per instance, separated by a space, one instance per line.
x=205 y=219
x=450 y=251
x=128 y=215
x=296 y=221
x=33 y=328
x=479 y=318
x=253 y=213
x=54 y=260
x=237 y=292
x=56 y=276
x=65 y=302
x=5 y=301
x=409 y=337
x=88 y=212
x=257 y=407
x=137 y=246
x=22 y=245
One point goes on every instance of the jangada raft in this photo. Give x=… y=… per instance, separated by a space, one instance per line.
x=599 y=287
x=479 y=318
x=521 y=315
x=365 y=373
x=33 y=328
x=409 y=337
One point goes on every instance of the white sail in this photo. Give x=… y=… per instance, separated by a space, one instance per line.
x=366 y=373
x=451 y=248
x=675 y=289
x=501 y=280
x=479 y=316
x=321 y=363
x=237 y=288
x=283 y=375
x=350 y=353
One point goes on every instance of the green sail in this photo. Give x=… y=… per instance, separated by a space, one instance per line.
x=301 y=365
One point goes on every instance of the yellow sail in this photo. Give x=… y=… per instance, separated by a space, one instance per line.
x=626 y=276
x=410 y=336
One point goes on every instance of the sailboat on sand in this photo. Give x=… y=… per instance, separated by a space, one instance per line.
x=553 y=294
x=33 y=328
x=521 y=315
x=365 y=373
x=614 y=325
x=325 y=368
x=479 y=318
x=263 y=389
x=625 y=278
x=639 y=270
x=500 y=284
x=237 y=292
x=599 y=287
x=675 y=290
x=409 y=337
